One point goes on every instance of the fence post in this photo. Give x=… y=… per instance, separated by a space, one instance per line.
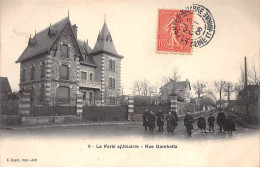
x=130 y=108
x=174 y=103
x=24 y=106
x=79 y=106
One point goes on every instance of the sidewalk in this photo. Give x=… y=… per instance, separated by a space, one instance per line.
x=70 y=124
x=242 y=119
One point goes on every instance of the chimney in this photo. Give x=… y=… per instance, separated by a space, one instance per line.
x=75 y=30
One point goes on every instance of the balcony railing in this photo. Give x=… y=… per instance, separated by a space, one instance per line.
x=90 y=84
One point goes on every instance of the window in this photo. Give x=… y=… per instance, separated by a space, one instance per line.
x=64 y=72
x=32 y=94
x=113 y=65
x=90 y=96
x=110 y=83
x=113 y=83
x=64 y=50
x=43 y=70
x=83 y=76
x=32 y=76
x=90 y=76
x=110 y=64
x=63 y=94
x=42 y=93
x=23 y=75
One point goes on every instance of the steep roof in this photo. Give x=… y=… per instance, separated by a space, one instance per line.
x=44 y=40
x=105 y=42
x=4 y=85
x=179 y=85
x=85 y=50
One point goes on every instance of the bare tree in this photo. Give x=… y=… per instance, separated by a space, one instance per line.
x=228 y=89
x=254 y=75
x=237 y=88
x=219 y=86
x=176 y=75
x=199 y=87
x=146 y=87
x=137 y=88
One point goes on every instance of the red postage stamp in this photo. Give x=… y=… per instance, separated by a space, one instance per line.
x=174 y=34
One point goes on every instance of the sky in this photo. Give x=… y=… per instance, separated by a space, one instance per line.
x=133 y=26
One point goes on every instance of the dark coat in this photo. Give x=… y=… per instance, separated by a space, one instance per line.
x=175 y=115
x=160 y=119
x=221 y=119
x=171 y=122
x=211 y=121
x=230 y=125
x=151 y=121
x=145 y=118
x=201 y=123
x=188 y=121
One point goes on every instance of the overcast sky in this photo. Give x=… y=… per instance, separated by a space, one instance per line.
x=133 y=28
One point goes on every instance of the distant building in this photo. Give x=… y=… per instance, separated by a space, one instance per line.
x=253 y=94
x=181 y=88
x=5 y=88
x=56 y=65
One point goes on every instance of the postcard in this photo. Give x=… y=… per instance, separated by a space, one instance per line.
x=129 y=83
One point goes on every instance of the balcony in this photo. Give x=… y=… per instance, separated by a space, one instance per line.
x=90 y=84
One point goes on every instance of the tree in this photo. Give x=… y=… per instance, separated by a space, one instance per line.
x=228 y=89
x=199 y=87
x=219 y=86
x=254 y=75
x=137 y=88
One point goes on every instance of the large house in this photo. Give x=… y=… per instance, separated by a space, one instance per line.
x=56 y=66
x=180 y=88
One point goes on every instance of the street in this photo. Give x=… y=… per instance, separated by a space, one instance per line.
x=135 y=130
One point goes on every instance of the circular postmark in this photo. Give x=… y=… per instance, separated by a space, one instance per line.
x=203 y=25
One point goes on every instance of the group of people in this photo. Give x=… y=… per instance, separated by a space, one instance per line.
x=149 y=120
x=224 y=122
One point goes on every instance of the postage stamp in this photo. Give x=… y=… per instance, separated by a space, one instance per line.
x=203 y=25
x=174 y=34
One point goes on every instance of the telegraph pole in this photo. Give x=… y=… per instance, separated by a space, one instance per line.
x=247 y=110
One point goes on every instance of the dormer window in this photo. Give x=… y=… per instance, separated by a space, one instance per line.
x=64 y=50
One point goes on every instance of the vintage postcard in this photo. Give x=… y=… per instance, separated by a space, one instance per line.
x=129 y=83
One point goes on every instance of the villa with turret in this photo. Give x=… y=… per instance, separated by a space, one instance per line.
x=56 y=66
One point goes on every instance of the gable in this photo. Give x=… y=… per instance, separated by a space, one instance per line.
x=45 y=40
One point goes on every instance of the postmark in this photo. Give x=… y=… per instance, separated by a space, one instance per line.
x=203 y=25
x=174 y=33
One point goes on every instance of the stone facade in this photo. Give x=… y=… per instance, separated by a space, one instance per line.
x=45 y=87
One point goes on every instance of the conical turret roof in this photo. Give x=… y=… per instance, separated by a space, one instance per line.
x=104 y=42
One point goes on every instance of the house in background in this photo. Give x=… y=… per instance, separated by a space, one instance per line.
x=56 y=66
x=5 y=89
x=181 y=88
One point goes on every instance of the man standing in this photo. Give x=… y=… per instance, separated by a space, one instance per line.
x=169 y=120
x=202 y=124
x=145 y=119
x=160 y=120
x=221 y=120
x=211 y=121
x=151 y=121
x=188 y=122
